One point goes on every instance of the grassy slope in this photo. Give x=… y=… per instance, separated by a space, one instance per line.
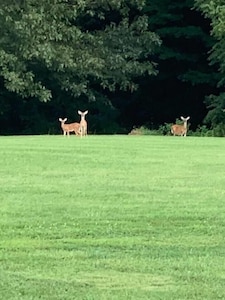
x=112 y=217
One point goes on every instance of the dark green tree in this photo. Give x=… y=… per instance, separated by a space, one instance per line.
x=47 y=43
x=214 y=10
x=73 y=52
x=185 y=76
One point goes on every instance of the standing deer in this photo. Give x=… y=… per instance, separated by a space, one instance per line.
x=180 y=129
x=67 y=128
x=83 y=123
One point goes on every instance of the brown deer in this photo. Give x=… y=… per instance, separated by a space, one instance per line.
x=67 y=128
x=83 y=123
x=180 y=129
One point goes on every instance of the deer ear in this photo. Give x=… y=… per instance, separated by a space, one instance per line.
x=86 y=112
x=79 y=112
x=65 y=119
x=60 y=119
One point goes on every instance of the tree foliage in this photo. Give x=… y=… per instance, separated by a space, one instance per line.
x=185 y=76
x=91 y=54
x=215 y=11
x=75 y=45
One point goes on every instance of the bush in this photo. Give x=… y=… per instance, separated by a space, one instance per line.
x=143 y=131
x=165 y=129
x=219 y=130
x=201 y=131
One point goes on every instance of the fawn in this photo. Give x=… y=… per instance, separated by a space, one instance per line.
x=67 y=128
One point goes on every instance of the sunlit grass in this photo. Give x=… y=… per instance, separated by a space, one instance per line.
x=112 y=217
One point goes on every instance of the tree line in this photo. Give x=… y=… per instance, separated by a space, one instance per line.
x=129 y=62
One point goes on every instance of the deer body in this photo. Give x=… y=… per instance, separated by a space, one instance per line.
x=83 y=123
x=180 y=129
x=67 y=128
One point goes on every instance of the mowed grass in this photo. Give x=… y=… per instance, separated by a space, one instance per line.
x=112 y=217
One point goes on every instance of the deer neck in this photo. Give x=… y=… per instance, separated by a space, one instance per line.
x=82 y=120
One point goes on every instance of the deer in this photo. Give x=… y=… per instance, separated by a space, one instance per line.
x=67 y=128
x=180 y=129
x=83 y=123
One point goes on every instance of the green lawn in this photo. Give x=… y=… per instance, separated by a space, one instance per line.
x=112 y=217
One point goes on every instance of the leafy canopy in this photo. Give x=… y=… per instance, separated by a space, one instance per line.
x=215 y=11
x=77 y=45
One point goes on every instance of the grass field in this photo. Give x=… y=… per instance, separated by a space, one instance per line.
x=112 y=217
